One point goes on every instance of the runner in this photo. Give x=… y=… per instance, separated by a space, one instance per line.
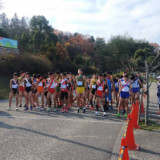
x=28 y=91
x=34 y=90
x=135 y=85
x=58 y=93
x=52 y=91
x=87 y=91
x=93 y=86
x=158 y=93
x=64 y=86
x=21 y=87
x=116 y=89
x=80 y=88
x=111 y=87
x=101 y=90
x=13 y=90
x=71 y=89
x=124 y=90
x=40 y=91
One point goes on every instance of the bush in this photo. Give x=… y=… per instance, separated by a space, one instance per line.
x=30 y=63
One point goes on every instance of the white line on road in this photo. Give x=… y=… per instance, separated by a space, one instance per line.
x=64 y=119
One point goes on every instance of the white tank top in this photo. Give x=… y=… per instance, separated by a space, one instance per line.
x=125 y=86
x=135 y=84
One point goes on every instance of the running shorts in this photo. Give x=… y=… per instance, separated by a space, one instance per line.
x=64 y=95
x=80 y=90
x=124 y=94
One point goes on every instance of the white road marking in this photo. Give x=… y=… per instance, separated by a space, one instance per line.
x=63 y=119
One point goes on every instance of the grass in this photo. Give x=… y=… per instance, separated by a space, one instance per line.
x=4 y=87
x=151 y=125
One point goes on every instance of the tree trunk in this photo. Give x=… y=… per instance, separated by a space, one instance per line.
x=147 y=93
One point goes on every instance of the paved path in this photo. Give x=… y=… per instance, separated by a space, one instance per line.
x=41 y=135
x=35 y=135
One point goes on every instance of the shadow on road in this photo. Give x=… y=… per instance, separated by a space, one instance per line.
x=7 y=126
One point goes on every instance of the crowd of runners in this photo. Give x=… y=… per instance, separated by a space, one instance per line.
x=64 y=90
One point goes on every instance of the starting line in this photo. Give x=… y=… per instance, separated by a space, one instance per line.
x=63 y=119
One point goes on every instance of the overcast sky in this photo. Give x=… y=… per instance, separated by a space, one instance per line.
x=100 y=18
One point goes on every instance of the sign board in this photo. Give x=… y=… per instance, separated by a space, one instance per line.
x=9 y=43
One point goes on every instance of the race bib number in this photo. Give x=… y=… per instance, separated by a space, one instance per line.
x=53 y=85
x=63 y=86
x=100 y=88
x=40 y=84
x=79 y=83
x=94 y=86
x=15 y=86
x=28 y=85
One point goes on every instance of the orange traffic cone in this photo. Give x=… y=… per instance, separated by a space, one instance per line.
x=123 y=154
x=134 y=115
x=142 y=108
x=130 y=136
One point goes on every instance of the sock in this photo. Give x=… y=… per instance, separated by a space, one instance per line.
x=105 y=108
x=96 y=107
x=91 y=103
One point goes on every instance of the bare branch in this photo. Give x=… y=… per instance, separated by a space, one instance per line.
x=154 y=60
x=152 y=80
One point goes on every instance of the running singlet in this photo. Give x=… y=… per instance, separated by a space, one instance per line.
x=125 y=86
x=93 y=84
x=28 y=85
x=64 y=85
x=100 y=89
x=52 y=86
x=80 y=82
x=21 y=87
x=135 y=84
x=41 y=84
x=158 y=90
x=14 y=84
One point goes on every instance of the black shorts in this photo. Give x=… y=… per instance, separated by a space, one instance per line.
x=15 y=90
x=64 y=95
x=93 y=91
x=45 y=93
x=28 y=89
x=34 y=91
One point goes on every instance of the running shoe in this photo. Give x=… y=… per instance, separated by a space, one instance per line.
x=91 y=108
x=84 y=110
x=96 y=113
x=124 y=111
x=118 y=114
x=66 y=110
x=17 y=109
x=26 y=108
x=31 y=107
x=63 y=110
x=48 y=109
x=41 y=109
x=55 y=109
x=24 y=105
x=9 y=109
x=78 y=110
x=126 y=115
x=20 y=105
x=37 y=108
x=104 y=114
x=111 y=107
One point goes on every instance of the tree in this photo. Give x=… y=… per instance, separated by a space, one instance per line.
x=147 y=60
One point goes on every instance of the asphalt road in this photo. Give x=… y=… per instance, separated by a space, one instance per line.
x=32 y=135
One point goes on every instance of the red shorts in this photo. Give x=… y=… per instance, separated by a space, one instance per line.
x=21 y=89
x=51 y=90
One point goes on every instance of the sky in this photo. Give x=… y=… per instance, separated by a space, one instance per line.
x=101 y=18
